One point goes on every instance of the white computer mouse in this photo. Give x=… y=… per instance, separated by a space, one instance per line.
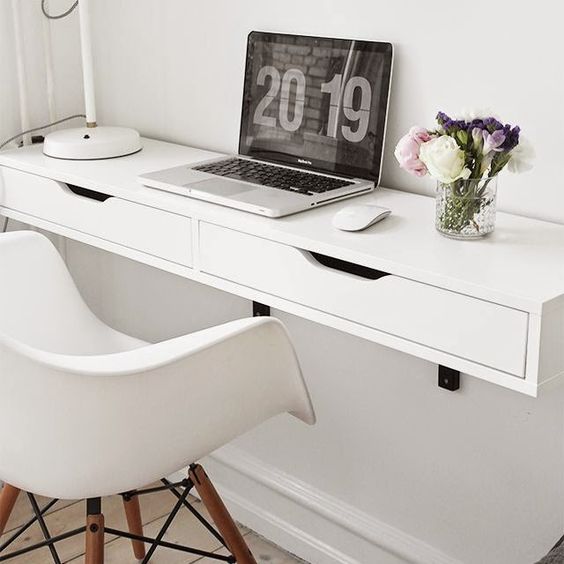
x=359 y=216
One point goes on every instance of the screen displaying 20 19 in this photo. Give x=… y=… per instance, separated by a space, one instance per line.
x=321 y=101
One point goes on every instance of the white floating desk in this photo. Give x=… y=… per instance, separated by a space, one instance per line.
x=492 y=308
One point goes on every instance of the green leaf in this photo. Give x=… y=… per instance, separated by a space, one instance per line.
x=462 y=136
x=499 y=161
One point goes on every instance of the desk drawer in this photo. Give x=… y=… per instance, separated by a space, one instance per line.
x=132 y=225
x=459 y=325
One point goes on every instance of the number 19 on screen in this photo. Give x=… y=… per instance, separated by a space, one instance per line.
x=341 y=96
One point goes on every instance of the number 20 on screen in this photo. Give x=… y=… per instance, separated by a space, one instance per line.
x=341 y=99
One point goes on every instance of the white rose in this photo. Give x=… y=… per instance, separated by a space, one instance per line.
x=521 y=157
x=444 y=159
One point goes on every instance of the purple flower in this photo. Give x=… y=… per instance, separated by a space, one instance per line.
x=442 y=118
x=493 y=141
x=475 y=124
x=488 y=133
x=492 y=124
x=511 y=137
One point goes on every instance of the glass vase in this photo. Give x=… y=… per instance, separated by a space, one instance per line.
x=465 y=209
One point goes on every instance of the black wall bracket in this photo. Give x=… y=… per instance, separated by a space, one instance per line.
x=260 y=310
x=449 y=379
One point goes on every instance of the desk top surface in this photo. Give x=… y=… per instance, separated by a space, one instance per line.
x=520 y=265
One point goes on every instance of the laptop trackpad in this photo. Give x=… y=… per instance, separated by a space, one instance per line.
x=221 y=187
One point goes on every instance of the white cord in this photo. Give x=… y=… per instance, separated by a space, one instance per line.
x=58 y=16
x=34 y=129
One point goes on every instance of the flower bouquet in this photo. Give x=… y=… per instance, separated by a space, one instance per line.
x=464 y=155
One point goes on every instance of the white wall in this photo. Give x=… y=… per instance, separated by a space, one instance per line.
x=477 y=474
x=9 y=116
x=36 y=38
x=10 y=108
x=174 y=69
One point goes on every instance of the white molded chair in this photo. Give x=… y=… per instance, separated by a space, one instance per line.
x=87 y=411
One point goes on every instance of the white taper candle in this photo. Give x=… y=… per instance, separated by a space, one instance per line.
x=21 y=70
x=87 y=64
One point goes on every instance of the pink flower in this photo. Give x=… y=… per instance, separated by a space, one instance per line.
x=420 y=133
x=407 y=151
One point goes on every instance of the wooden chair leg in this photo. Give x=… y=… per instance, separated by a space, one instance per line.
x=94 y=553
x=8 y=498
x=134 y=524
x=221 y=516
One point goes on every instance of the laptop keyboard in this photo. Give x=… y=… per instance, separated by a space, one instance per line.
x=273 y=176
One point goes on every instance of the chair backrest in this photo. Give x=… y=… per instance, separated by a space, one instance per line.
x=39 y=302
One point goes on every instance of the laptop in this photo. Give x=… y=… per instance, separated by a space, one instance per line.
x=312 y=128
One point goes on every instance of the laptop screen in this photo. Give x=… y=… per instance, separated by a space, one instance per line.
x=316 y=103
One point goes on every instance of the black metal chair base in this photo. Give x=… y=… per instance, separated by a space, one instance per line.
x=154 y=543
x=49 y=540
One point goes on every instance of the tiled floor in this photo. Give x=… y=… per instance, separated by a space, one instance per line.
x=155 y=507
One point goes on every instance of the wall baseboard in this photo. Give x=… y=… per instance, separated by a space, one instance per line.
x=307 y=522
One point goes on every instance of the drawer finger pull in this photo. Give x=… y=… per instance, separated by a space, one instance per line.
x=87 y=193
x=348 y=267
